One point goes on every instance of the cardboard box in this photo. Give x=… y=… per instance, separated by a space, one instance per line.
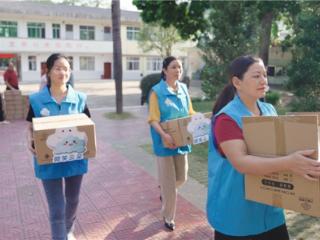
x=188 y=130
x=15 y=105
x=25 y=102
x=64 y=138
x=279 y=136
x=12 y=94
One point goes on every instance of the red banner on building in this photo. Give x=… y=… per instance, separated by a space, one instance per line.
x=7 y=55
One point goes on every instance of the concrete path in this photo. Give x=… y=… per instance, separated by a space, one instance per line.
x=101 y=93
x=120 y=195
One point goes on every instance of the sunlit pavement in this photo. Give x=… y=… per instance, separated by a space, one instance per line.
x=119 y=200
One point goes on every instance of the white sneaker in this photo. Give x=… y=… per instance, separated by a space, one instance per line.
x=4 y=122
x=71 y=236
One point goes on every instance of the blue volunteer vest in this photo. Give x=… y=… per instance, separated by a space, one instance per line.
x=72 y=104
x=227 y=209
x=171 y=105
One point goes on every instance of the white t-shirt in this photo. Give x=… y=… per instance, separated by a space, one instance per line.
x=43 y=81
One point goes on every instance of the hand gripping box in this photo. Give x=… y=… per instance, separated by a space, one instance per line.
x=188 y=130
x=279 y=136
x=64 y=138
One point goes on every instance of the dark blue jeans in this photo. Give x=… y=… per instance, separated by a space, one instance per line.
x=63 y=203
x=1 y=109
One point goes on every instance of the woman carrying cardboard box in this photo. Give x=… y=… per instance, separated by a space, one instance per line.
x=169 y=99
x=58 y=98
x=229 y=213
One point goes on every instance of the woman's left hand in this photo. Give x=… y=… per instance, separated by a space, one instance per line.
x=168 y=141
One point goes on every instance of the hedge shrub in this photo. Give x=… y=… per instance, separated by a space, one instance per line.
x=146 y=84
x=273 y=98
x=150 y=80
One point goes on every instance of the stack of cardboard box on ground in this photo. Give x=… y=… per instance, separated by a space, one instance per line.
x=279 y=136
x=15 y=105
x=64 y=138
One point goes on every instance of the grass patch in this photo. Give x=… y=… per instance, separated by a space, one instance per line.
x=198 y=163
x=207 y=105
x=202 y=105
x=147 y=148
x=116 y=116
x=282 y=110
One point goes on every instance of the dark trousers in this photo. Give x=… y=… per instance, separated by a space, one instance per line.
x=1 y=109
x=278 y=233
x=63 y=203
x=17 y=88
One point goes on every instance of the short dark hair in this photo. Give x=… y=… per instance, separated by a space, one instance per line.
x=50 y=63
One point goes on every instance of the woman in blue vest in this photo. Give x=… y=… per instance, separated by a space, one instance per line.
x=59 y=98
x=228 y=212
x=169 y=99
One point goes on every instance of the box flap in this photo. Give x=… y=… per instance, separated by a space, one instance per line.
x=305 y=114
x=282 y=135
x=61 y=121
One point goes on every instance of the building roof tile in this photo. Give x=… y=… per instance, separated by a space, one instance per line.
x=62 y=10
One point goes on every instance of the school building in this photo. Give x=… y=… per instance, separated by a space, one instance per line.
x=31 y=31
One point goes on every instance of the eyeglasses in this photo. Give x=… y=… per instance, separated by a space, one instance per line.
x=58 y=69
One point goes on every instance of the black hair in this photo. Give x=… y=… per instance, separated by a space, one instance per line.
x=237 y=68
x=165 y=65
x=50 y=63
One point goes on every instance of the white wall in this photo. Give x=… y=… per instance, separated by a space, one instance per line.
x=100 y=49
x=26 y=74
x=34 y=76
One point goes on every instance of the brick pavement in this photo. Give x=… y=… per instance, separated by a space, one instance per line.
x=119 y=200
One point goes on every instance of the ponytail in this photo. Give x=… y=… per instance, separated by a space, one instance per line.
x=224 y=98
x=163 y=75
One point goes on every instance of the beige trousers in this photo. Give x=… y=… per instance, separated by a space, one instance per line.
x=172 y=173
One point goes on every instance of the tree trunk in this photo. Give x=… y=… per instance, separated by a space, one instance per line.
x=265 y=37
x=117 y=53
x=168 y=51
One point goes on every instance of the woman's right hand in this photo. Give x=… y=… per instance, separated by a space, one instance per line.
x=168 y=141
x=30 y=140
x=300 y=163
x=31 y=146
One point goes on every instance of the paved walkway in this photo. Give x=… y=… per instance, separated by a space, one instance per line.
x=119 y=199
x=101 y=93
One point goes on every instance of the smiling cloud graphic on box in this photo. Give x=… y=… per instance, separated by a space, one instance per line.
x=199 y=128
x=67 y=144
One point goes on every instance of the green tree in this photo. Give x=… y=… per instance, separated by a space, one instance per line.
x=228 y=35
x=268 y=13
x=222 y=32
x=304 y=70
x=155 y=37
x=189 y=17
x=186 y=17
x=117 y=53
